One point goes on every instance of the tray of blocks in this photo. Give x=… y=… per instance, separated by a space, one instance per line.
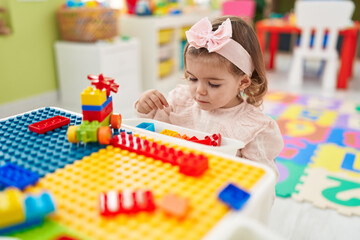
x=167 y=131
x=139 y=186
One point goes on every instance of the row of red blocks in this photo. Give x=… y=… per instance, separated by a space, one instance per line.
x=213 y=140
x=189 y=164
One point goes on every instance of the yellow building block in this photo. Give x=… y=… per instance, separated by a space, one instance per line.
x=93 y=96
x=11 y=207
x=77 y=188
x=169 y=132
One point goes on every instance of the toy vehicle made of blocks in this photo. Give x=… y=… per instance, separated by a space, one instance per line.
x=97 y=110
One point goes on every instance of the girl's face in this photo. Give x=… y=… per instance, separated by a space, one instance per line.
x=211 y=84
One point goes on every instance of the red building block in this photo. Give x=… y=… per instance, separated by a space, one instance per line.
x=216 y=140
x=49 y=124
x=113 y=203
x=192 y=165
x=206 y=141
x=213 y=140
x=98 y=115
x=64 y=237
x=101 y=82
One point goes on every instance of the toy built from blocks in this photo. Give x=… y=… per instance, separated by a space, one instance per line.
x=97 y=109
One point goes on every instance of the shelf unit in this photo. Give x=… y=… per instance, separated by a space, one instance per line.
x=118 y=59
x=149 y=30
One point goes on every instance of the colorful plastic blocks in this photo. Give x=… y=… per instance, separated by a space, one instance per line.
x=13 y=175
x=18 y=211
x=233 y=196
x=189 y=164
x=213 y=140
x=97 y=108
x=113 y=203
x=49 y=124
x=64 y=237
x=104 y=83
x=174 y=205
x=147 y=126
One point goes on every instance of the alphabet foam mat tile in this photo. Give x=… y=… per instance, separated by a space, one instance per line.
x=322 y=143
x=330 y=190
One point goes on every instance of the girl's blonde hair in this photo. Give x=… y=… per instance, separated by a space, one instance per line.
x=245 y=35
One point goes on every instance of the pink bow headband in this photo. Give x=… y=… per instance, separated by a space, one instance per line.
x=201 y=36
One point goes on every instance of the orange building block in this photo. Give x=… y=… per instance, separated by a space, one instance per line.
x=174 y=205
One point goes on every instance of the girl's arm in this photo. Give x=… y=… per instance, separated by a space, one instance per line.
x=150 y=100
x=152 y=104
x=265 y=147
x=178 y=99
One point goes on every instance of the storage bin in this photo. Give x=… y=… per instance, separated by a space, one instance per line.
x=166 y=51
x=166 y=67
x=87 y=24
x=165 y=35
x=228 y=145
x=183 y=30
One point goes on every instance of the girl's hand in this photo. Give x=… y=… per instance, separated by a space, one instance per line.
x=149 y=100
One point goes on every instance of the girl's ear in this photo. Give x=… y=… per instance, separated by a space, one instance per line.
x=245 y=81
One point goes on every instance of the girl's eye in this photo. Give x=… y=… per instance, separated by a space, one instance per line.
x=193 y=79
x=214 y=85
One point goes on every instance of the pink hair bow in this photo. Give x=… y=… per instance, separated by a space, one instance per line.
x=201 y=35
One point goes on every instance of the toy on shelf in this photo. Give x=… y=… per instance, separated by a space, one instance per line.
x=12 y=175
x=189 y=163
x=113 y=202
x=18 y=210
x=142 y=8
x=87 y=4
x=49 y=124
x=97 y=109
x=4 y=29
x=233 y=196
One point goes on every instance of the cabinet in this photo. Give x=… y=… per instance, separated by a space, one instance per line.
x=118 y=59
x=162 y=41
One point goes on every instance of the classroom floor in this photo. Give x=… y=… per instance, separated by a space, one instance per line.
x=289 y=218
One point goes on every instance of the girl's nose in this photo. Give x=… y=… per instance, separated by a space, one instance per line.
x=201 y=89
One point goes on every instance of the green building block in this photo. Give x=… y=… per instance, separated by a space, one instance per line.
x=87 y=131
x=49 y=230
